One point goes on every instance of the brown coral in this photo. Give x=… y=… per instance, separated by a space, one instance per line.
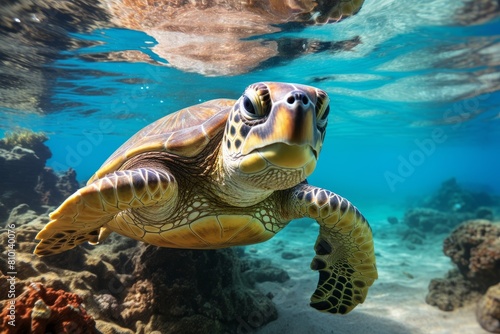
x=40 y=310
x=137 y=303
x=451 y=292
x=485 y=259
x=175 y=288
x=475 y=248
x=488 y=310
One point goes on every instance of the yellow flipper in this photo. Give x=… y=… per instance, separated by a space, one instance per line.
x=345 y=256
x=83 y=214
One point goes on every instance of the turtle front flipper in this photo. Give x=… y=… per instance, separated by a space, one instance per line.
x=81 y=217
x=345 y=255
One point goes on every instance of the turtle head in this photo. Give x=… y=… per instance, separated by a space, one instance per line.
x=274 y=134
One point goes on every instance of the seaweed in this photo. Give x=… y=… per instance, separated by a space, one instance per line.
x=23 y=137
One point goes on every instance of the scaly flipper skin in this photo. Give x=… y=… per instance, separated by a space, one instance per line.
x=344 y=249
x=84 y=213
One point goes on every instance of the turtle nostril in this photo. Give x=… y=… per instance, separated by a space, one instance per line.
x=297 y=96
x=305 y=100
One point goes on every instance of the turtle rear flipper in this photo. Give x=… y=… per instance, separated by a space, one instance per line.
x=82 y=216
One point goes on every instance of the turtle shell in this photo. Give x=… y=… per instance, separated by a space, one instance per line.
x=184 y=133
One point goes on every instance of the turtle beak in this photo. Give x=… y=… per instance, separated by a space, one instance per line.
x=291 y=122
x=295 y=127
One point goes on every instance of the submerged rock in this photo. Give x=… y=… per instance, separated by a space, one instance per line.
x=26 y=179
x=20 y=168
x=430 y=220
x=451 y=197
x=474 y=247
x=448 y=207
x=286 y=255
x=393 y=220
x=488 y=310
x=262 y=270
x=53 y=188
x=451 y=292
x=484 y=213
x=26 y=223
x=413 y=236
x=176 y=288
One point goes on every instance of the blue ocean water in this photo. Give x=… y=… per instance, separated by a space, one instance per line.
x=416 y=102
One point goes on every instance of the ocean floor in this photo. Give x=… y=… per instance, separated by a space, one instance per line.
x=121 y=284
x=396 y=301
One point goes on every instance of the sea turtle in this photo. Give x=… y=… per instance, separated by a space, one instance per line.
x=225 y=173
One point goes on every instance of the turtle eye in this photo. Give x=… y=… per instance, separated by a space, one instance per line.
x=256 y=101
x=323 y=118
x=248 y=107
x=322 y=109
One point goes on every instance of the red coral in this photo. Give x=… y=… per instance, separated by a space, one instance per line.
x=40 y=310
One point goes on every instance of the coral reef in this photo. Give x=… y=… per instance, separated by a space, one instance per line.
x=108 y=305
x=451 y=197
x=29 y=140
x=474 y=247
x=429 y=220
x=77 y=271
x=451 y=292
x=40 y=310
x=441 y=212
x=488 y=310
x=130 y=289
x=176 y=288
x=23 y=155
